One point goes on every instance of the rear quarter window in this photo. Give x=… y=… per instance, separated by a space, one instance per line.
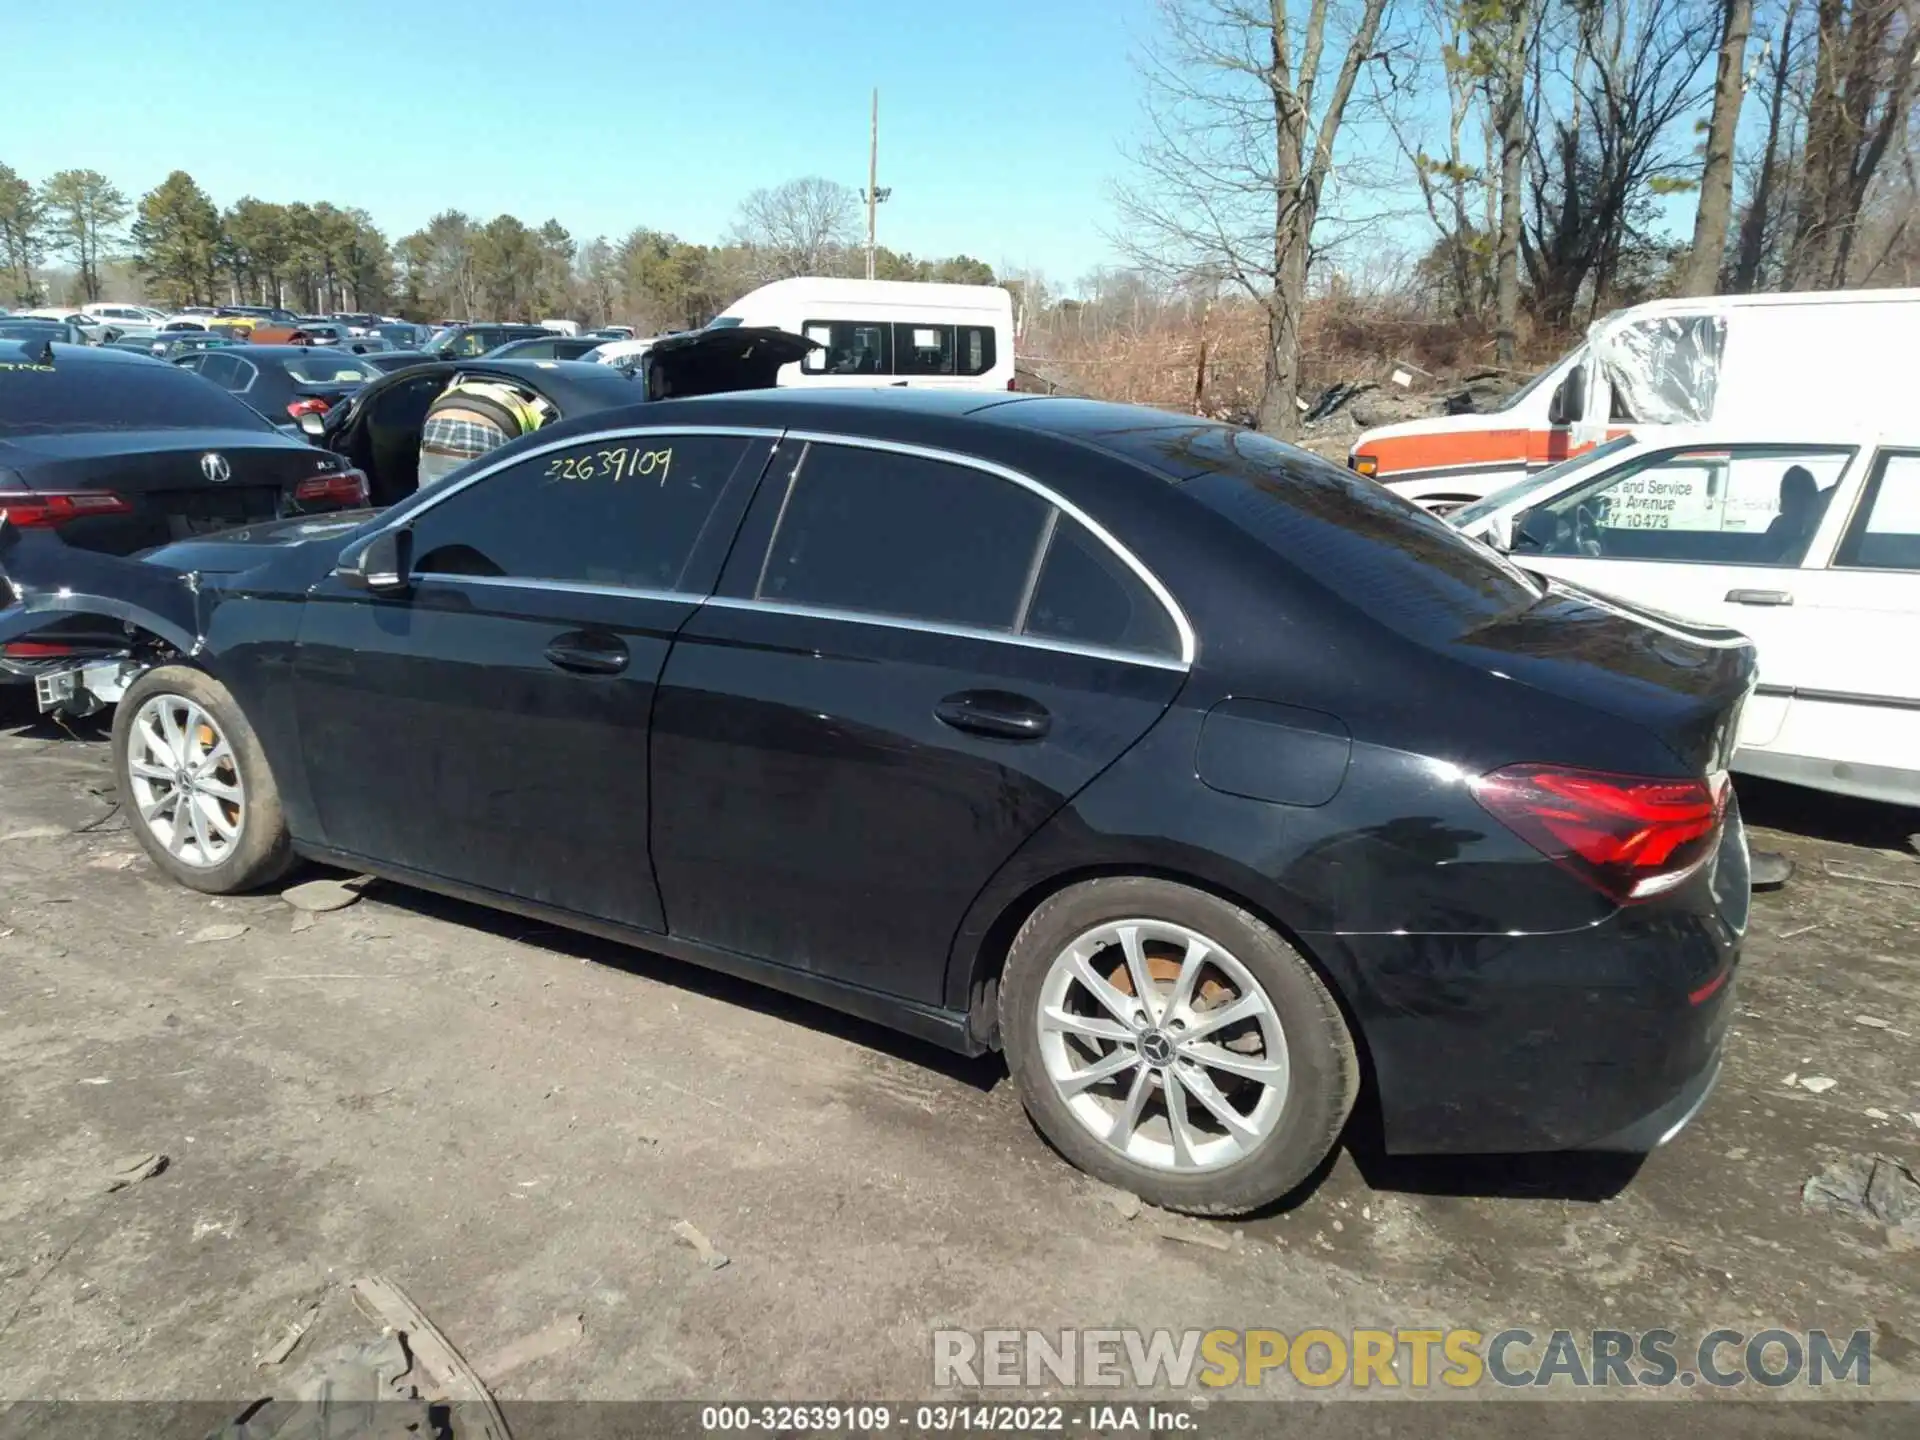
x=131 y=395
x=1384 y=555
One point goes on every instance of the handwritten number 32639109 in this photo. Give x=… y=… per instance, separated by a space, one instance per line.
x=621 y=462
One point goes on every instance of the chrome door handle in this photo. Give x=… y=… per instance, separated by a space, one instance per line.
x=1759 y=597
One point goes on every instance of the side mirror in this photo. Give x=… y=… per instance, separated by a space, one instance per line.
x=377 y=565
x=1569 y=403
x=1536 y=530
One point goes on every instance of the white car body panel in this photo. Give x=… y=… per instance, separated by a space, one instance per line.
x=1838 y=702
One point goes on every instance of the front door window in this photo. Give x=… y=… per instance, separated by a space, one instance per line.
x=1724 y=505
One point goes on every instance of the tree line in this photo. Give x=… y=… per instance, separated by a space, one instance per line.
x=1540 y=141
x=186 y=250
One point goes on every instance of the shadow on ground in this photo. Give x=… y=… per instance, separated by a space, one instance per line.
x=982 y=1073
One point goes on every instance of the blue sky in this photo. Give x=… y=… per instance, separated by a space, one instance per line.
x=1000 y=120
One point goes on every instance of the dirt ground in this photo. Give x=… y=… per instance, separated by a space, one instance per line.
x=508 y=1122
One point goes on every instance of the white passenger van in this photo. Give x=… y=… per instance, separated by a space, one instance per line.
x=888 y=332
x=1723 y=359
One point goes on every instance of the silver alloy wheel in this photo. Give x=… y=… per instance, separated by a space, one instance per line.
x=186 y=781
x=1163 y=1045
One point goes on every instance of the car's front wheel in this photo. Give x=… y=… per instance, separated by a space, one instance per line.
x=1174 y=1045
x=195 y=784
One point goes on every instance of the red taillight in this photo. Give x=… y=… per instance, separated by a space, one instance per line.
x=344 y=487
x=39 y=510
x=313 y=405
x=1629 y=836
x=34 y=650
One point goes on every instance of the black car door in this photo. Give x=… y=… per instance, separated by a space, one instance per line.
x=911 y=664
x=490 y=726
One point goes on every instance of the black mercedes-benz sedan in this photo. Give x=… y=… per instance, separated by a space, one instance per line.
x=1206 y=780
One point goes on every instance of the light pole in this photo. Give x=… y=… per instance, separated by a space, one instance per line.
x=873 y=194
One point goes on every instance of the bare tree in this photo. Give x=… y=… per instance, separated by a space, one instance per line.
x=1245 y=109
x=1514 y=23
x=1628 y=71
x=1759 y=221
x=1864 y=78
x=804 y=227
x=1449 y=183
x=1701 y=275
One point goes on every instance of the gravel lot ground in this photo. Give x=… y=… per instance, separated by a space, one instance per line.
x=509 y=1121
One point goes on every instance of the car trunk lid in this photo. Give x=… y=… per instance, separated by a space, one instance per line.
x=1682 y=680
x=175 y=483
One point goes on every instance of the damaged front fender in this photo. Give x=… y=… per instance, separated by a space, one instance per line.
x=47 y=581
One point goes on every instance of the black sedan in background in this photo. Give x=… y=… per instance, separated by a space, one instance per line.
x=1203 y=778
x=115 y=453
x=468 y=342
x=285 y=383
x=546 y=347
x=387 y=361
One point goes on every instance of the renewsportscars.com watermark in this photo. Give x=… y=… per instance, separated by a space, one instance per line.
x=1319 y=1359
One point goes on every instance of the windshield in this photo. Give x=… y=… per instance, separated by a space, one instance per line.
x=1466 y=515
x=331 y=370
x=1513 y=401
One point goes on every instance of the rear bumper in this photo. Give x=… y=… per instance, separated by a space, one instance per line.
x=1654 y=1129
x=1606 y=1038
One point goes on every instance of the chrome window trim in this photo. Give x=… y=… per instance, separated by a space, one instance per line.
x=807 y=612
x=1182 y=626
x=569 y=587
x=1188 y=646
x=961 y=632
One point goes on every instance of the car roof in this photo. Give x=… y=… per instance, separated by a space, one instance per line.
x=16 y=352
x=292 y=352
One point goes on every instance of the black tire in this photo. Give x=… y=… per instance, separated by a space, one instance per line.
x=264 y=852
x=1325 y=1070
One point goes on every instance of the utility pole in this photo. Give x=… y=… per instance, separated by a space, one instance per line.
x=873 y=194
x=873 y=177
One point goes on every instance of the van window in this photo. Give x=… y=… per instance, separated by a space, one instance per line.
x=848 y=347
x=922 y=349
x=1664 y=370
x=976 y=349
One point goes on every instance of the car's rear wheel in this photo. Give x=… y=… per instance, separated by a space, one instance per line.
x=198 y=794
x=1174 y=1045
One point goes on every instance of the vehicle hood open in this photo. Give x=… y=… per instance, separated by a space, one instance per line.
x=710 y=362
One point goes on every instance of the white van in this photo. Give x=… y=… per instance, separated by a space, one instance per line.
x=1671 y=362
x=888 y=332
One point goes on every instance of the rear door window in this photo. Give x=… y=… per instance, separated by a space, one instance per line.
x=877 y=532
x=1088 y=595
x=1885 y=534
